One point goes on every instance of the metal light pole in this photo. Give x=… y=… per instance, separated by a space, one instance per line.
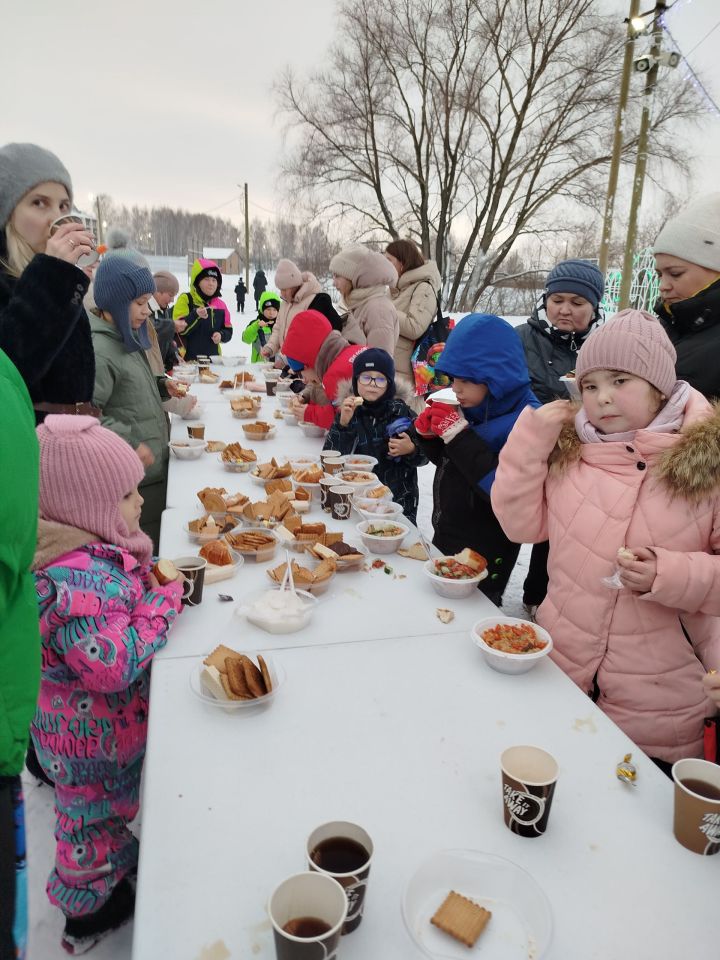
x=247 y=240
x=618 y=138
x=641 y=162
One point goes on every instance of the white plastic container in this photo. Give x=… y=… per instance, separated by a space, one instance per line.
x=380 y=544
x=452 y=589
x=512 y=663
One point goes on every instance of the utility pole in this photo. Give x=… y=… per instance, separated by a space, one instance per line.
x=247 y=240
x=641 y=161
x=618 y=139
x=101 y=236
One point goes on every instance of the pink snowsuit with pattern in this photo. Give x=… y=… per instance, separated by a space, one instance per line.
x=100 y=624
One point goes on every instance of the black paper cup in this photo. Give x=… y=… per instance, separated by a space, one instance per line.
x=529 y=775
x=193 y=569
x=307 y=903
x=344 y=851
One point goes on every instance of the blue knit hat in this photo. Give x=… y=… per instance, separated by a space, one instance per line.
x=123 y=276
x=577 y=276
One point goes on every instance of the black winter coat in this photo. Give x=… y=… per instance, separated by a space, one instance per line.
x=45 y=331
x=462 y=514
x=165 y=330
x=322 y=302
x=367 y=433
x=550 y=353
x=694 y=328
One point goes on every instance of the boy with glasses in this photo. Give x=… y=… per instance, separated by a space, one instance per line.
x=372 y=420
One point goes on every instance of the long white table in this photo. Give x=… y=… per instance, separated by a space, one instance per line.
x=393 y=720
x=404 y=737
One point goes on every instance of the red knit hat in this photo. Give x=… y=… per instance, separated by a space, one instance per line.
x=632 y=341
x=85 y=471
x=307 y=332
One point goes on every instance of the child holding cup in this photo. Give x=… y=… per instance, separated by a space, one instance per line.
x=103 y=615
x=372 y=420
x=627 y=489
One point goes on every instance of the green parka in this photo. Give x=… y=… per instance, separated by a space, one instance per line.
x=19 y=632
x=127 y=393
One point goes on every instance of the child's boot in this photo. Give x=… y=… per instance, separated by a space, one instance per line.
x=83 y=933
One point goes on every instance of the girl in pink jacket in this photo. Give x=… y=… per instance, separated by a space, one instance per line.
x=103 y=616
x=627 y=489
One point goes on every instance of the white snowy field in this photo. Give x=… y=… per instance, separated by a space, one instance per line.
x=46 y=922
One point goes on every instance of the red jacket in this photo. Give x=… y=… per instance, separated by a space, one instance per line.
x=308 y=332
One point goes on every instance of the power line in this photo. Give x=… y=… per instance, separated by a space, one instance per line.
x=701 y=41
x=690 y=74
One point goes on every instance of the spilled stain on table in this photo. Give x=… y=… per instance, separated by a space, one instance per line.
x=585 y=725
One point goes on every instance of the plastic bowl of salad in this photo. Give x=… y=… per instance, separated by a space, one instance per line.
x=510 y=645
x=453 y=579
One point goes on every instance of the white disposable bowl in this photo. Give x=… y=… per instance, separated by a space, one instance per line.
x=190 y=449
x=509 y=662
x=283 y=387
x=239 y=466
x=522 y=922
x=260 y=556
x=277 y=676
x=453 y=589
x=370 y=509
x=312 y=429
x=290 y=419
x=376 y=544
x=358 y=485
x=309 y=604
x=359 y=461
x=226 y=361
x=261 y=481
x=258 y=437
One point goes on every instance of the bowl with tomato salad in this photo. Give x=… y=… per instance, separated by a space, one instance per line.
x=453 y=579
x=510 y=645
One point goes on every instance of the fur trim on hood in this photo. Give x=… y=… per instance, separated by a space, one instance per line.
x=690 y=469
x=56 y=539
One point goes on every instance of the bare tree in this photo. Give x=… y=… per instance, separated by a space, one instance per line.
x=463 y=118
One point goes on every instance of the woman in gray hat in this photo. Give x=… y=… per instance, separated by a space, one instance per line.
x=43 y=325
x=687 y=259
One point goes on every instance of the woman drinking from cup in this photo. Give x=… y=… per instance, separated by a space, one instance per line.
x=43 y=325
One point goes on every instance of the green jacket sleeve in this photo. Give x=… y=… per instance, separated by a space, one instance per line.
x=106 y=377
x=250 y=333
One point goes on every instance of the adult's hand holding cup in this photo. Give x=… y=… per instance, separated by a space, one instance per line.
x=70 y=240
x=528 y=785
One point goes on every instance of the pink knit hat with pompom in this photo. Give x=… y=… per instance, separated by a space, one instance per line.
x=85 y=471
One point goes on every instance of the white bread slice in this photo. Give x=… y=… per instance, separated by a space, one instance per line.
x=471 y=559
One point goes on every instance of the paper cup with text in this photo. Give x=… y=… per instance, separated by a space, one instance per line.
x=193 y=569
x=696 y=823
x=528 y=784
x=344 y=851
x=196 y=431
x=339 y=499
x=333 y=465
x=307 y=912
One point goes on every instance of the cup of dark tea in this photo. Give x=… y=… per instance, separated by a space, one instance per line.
x=87 y=258
x=528 y=776
x=696 y=823
x=343 y=851
x=193 y=569
x=307 y=912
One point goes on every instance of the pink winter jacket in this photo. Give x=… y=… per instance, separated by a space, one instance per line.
x=661 y=491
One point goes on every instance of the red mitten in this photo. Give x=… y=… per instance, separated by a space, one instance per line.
x=423 y=424
x=447 y=421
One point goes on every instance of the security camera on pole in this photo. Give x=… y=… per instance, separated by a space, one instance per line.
x=648 y=64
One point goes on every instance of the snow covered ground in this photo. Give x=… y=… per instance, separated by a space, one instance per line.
x=46 y=923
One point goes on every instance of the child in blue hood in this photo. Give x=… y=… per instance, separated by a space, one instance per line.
x=485 y=359
x=380 y=427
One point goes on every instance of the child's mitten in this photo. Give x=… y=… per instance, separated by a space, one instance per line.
x=446 y=421
x=423 y=423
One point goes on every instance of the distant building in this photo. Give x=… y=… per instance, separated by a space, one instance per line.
x=227 y=258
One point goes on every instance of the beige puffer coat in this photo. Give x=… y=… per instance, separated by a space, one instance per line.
x=415 y=299
x=305 y=295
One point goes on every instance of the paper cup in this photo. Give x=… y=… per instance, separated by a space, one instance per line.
x=696 y=823
x=193 y=569
x=325 y=484
x=307 y=903
x=340 y=500
x=196 y=431
x=334 y=465
x=343 y=851
x=528 y=784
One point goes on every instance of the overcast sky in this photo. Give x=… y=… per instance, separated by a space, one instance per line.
x=170 y=103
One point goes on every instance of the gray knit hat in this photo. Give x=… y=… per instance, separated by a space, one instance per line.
x=577 y=276
x=22 y=167
x=694 y=234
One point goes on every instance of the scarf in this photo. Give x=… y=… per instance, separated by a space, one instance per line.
x=669 y=419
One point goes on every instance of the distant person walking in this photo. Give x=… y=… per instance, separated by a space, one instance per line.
x=259 y=286
x=240 y=294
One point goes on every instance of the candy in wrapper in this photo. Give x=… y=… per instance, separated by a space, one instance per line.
x=626 y=771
